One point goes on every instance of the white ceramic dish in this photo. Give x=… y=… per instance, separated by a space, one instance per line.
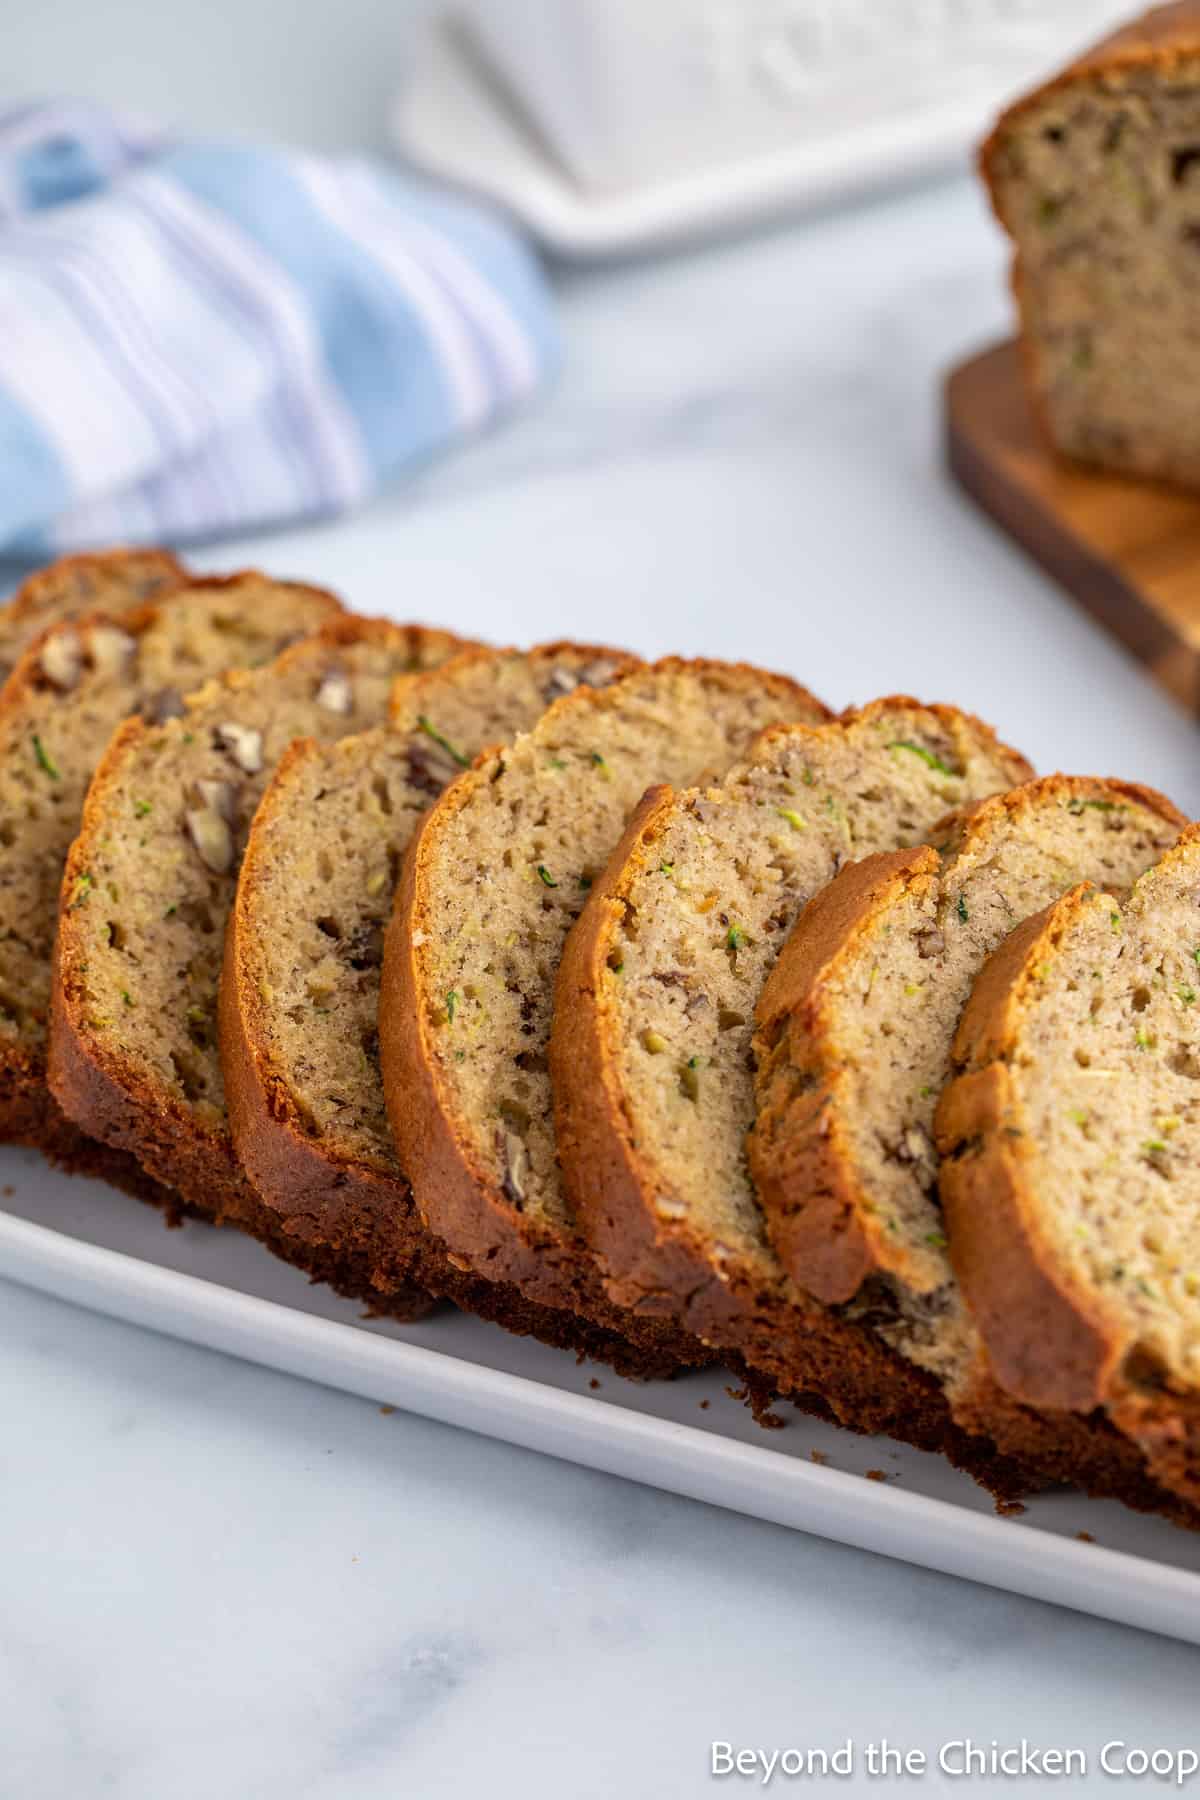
x=88 y=1244
x=629 y=95
x=455 y=121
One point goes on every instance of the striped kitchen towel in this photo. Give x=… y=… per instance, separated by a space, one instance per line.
x=197 y=338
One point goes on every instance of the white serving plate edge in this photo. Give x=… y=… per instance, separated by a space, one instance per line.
x=679 y=1458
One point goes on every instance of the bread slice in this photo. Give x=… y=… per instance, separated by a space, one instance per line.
x=651 y=1047
x=496 y=875
x=1096 y=177
x=303 y=1085
x=300 y=991
x=66 y=696
x=1071 y=1171
x=148 y=887
x=855 y=1027
x=98 y=581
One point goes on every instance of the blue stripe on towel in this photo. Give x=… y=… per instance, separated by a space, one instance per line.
x=199 y=338
x=374 y=346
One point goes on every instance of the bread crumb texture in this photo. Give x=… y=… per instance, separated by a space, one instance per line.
x=152 y=875
x=863 y=1055
x=1104 y=1065
x=1097 y=179
x=703 y=911
x=321 y=868
x=61 y=705
x=511 y=872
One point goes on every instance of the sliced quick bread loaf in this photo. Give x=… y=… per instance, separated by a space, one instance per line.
x=101 y=581
x=654 y=1014
x=1071 y=1171
x=1094 y=175
x=149 y=884
x=300 y=992
x=857 y=1019
x=495 y=877
x=302 y=1071
x=855 y=1027
x=65 y=698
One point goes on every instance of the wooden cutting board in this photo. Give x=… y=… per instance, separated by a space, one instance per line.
x=1129 y=552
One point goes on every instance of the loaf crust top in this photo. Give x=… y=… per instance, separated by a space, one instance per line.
x=1161 y=39
x=93 y=581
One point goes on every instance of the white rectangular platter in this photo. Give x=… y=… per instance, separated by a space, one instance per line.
x=88 y=1244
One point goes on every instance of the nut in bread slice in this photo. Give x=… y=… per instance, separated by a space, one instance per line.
x=495 y=877
x=149 y=884
x=1070 y=1141
x=67 y=695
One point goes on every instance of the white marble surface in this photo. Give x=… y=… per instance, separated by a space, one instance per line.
x=222 y=1582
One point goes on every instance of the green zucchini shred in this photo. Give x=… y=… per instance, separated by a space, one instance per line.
x=927 y=756
x=430 y=730
x=45 y=761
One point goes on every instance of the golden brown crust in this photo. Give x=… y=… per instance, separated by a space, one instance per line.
x=93 y=1084
x=36 y=604
x=439 y=1158
x=799 y=1153
x=473 y=655
x=472 y=1214
x=99 y=1088
x=1049 y=1346
x=324 y=1194
x=1077 y=1450
x=264 y=1122
x=1057 y=1346
x=359 y=1230
x=1166 y=1428
x=30 y=596
x=600 y=1169
x=435 y=1153
x=28 y=1113
x=124 y=1110
x=591 y=1120
x=803 y=1347
x=471 y=1210
x=822 y=1224
x=613 y=1183
x=1159 y=39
